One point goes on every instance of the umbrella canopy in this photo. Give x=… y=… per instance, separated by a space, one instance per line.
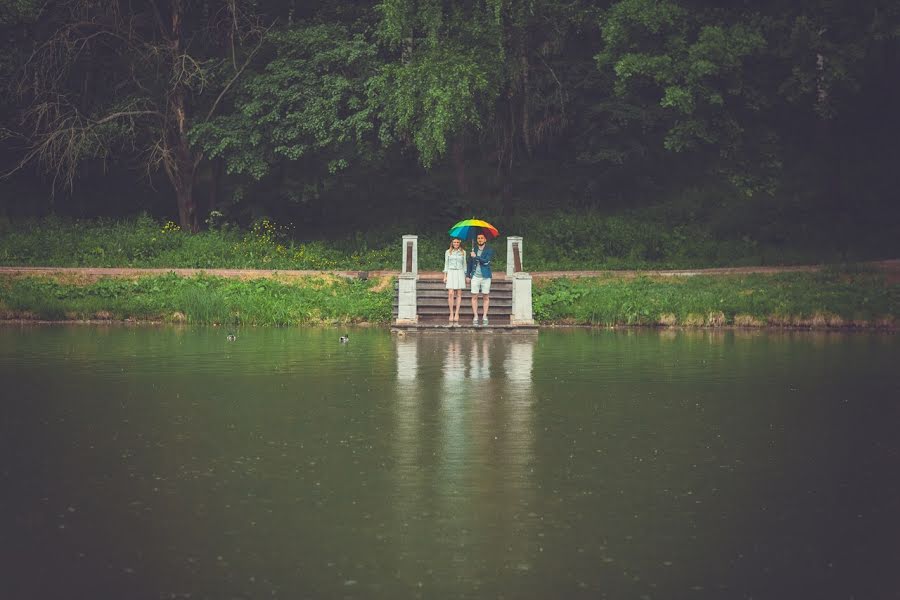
x=470 y=228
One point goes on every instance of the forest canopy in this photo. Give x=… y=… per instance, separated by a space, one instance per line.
x=412 y=109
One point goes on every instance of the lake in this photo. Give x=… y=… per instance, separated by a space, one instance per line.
x=164 y=462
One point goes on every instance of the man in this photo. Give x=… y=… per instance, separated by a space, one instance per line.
x=478 y=273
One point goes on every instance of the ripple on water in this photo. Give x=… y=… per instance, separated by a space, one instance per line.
x=584 y=462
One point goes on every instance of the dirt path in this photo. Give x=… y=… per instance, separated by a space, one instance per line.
x=891 y=269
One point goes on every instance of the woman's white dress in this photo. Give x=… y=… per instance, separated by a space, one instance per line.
x=455 y=268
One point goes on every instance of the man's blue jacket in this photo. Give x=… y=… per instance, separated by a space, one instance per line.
x=487 y=255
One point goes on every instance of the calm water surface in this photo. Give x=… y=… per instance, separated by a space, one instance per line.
x=170 y=463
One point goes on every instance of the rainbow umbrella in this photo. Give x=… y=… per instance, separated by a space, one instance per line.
x=470 y=228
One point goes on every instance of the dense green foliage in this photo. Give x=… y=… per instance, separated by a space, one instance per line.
x=686 y=234
x=370 y=114
x=310 y=99
x=145 y=243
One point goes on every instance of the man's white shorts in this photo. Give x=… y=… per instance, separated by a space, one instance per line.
x=480 y=285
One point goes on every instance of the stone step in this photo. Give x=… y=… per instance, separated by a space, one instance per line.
x=464 y=311
x=464 y=323
x=427 y=283
x=506 y=308
x=441 y=294
x=495 y=293
x=437 y=308
x=442 y=299
x=432 y=309
x=466 y=297
x=423 y=302
x=439 y=283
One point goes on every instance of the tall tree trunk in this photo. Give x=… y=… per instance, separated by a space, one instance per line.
x=185 y=166
x=187 y=211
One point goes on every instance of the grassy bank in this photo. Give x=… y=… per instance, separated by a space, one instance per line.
x=825 y=299
x=651 y=238
x=200 y=300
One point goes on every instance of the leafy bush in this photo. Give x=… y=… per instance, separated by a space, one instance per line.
x=658 y=237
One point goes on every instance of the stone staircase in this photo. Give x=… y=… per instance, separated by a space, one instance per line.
x=431 y=303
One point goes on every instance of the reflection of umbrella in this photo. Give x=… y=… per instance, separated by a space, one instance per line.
x=471 y=228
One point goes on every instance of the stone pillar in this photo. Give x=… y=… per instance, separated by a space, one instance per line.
x=510 y=258
x=521 y=283
x=406 y=288
x=410 y=255
x=406 y=300
x=521 y=300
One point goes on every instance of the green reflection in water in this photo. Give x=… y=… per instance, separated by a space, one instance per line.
x=156 y=463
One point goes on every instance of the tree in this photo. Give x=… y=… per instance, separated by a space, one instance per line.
x=305 y=106
x=490 y=73
x=736 y=80
x=692 y=69
x=112 y=77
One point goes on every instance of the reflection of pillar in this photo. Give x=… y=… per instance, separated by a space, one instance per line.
x=407 y=360
x=410 y=480
x=517 y=367
x=408 y=404
x=408 y=420
x=518 y=364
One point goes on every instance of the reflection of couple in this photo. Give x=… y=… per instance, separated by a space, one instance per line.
x=454 y=367
x=480 y=360
x=477 y=273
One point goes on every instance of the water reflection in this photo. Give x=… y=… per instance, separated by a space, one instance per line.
x=464 y=446
x=479 y=359
x=408 y=406
x=453 y=433
x=150 y=463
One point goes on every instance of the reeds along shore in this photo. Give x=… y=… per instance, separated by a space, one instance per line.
x=830 y=299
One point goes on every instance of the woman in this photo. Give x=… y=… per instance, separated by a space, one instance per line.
x=454 y=276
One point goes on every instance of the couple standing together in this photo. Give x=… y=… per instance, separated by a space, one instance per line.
x=461 y=271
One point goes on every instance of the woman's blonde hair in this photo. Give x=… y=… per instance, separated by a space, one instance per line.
x=460 y=245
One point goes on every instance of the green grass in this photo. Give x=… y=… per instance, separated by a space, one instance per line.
x=665 y=236
x=829 y=298
x=201 y=299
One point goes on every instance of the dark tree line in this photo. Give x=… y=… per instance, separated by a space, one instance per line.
x=223 y=104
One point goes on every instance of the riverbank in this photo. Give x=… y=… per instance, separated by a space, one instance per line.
x=803 y=297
